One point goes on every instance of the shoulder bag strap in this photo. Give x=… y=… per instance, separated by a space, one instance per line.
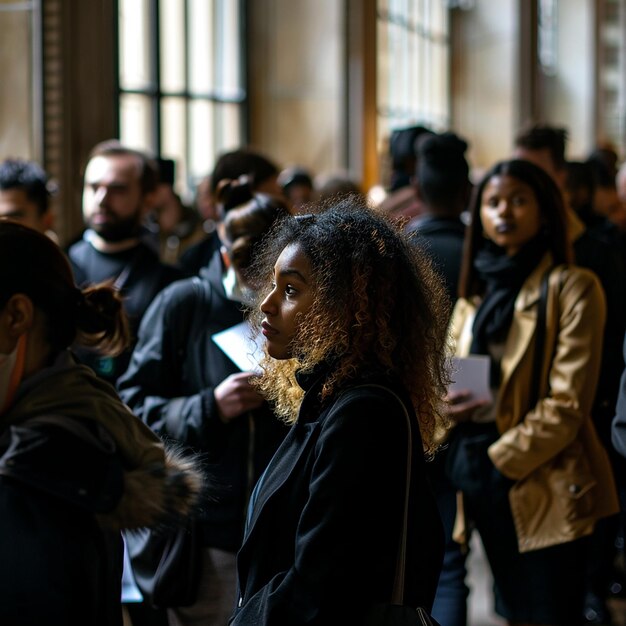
x=540 y=337
x=398 y=584
x=542 y=321
x=129 y=268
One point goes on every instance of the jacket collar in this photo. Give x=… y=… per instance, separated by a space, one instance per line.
x=431 y=224
x=530 y=291
x=524 y=324
x=214 y=271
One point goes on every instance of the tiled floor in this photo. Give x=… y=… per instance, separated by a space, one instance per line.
x=480 y=609
x=481 y=599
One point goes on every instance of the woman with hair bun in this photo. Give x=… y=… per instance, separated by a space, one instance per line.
x=187 y=389
x=76 y=467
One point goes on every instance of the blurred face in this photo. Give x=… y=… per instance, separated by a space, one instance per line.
x=292 y=295
x=113 y=202
x=15 y=205
x=299 y=195
x=509 y=213
x=605 y=201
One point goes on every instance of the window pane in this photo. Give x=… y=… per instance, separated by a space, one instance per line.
x=384 y=72
x=412 y=63
x=16 y=97
x=172 y=43
x=136 y=122
x=174 y=136
x=228 y=127
x=202 y=139
x=439 y=19
x=134 y=44
x=201 y=46
x=200 y=63
x=440 y=85
x=228 y=57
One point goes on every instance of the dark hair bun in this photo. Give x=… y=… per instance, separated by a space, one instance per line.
x=100 y=319
x=233 y=193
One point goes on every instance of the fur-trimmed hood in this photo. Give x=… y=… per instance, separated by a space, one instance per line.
x=68 y=434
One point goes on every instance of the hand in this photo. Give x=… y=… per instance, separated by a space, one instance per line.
x=461 y=405
x=235 y=395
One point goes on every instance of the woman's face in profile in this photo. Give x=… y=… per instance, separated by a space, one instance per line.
x=292 y=294
x=509 y=213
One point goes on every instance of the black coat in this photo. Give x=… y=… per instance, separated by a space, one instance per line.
x=442 y=239
x=58 y=565
x=169 y=384
x=322 y=538
x=76 y=468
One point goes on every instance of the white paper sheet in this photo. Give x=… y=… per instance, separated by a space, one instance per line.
x=472 y=373
x=237 y=345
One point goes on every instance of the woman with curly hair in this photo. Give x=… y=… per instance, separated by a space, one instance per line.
x=354 y=326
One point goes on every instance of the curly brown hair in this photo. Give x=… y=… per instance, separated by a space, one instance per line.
x=378 y=306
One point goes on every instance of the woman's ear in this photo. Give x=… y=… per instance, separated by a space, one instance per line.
x=18 y=315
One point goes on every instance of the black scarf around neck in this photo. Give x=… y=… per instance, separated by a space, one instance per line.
x=503 y=277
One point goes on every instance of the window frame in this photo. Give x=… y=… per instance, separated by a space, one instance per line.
x=157 y=94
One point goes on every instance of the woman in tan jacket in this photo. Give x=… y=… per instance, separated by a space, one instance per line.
x=533 y=473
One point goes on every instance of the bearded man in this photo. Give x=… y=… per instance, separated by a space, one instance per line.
x=118 y=191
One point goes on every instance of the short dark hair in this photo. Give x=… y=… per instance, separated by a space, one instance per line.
x=544 y=137
x=295 y=176
x=442 y=171
x=242 y=162
x=403 y=153
x=402 y=144
x=603 y=172
x=148 y=168
x=167 y=171
x=28 y=176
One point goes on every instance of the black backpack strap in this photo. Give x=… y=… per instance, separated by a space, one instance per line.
x=186 y=326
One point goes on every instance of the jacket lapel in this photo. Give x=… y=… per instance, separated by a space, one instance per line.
x=280 y=468
x=524 y=323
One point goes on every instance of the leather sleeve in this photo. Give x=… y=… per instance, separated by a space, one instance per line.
x=573 y=371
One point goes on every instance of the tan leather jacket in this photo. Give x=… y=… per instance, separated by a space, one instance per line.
x=564 y=482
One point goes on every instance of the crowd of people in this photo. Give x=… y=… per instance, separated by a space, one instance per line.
x=354 y=429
